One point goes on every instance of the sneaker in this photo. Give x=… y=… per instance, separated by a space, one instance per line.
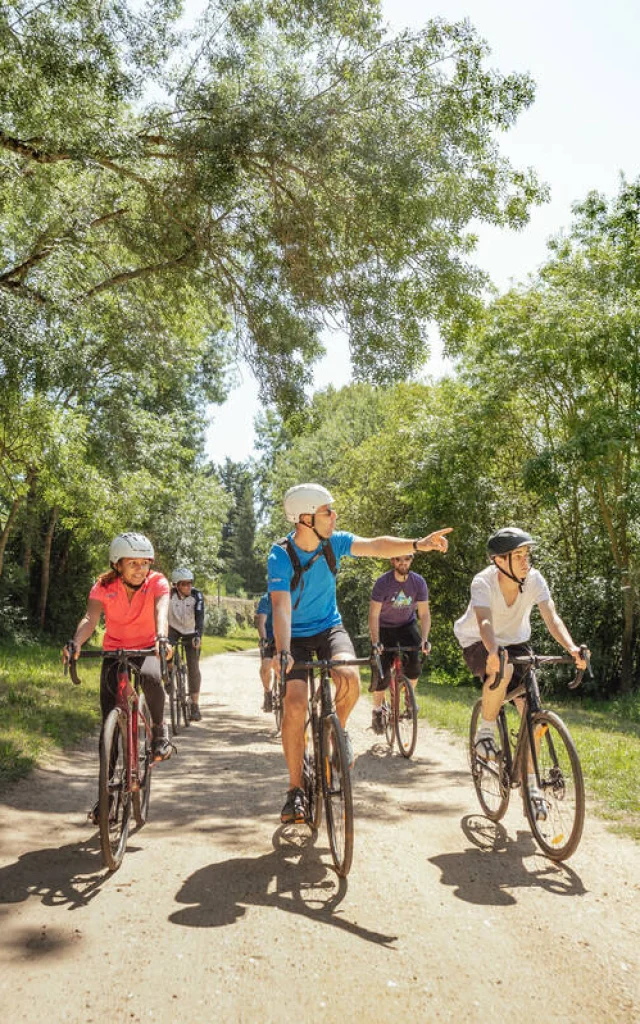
x=94 y=814
x=196 y=713
x=485 y=747
x=293 y=811
x=538 y=804
x=267 y=703
x=376 y=721
x=162 y=748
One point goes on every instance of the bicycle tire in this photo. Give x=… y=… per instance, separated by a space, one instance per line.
x=311 y=781
x=388 y=719
x=562 y=785
x=490 y=779
x=142 y=795
x=336 y=789
x=173 y=700
x=183 y=696
x=114 y=802
x=406 y=717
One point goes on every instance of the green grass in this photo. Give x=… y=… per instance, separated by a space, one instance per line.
x=42 y=711
x=606 y=734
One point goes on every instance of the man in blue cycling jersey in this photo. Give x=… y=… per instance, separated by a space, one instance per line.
x=306 y=621
x=264 y=625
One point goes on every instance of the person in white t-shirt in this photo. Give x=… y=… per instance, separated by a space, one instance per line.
x=499 y=615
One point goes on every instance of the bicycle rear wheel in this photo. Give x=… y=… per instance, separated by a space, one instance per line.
x=489 y=777
x=182 y=696
x=406 y=716
x=172 y=694
x=562 y=787
x=311 y=781
x=141 y=796
x=336 y=788
x=114 y=801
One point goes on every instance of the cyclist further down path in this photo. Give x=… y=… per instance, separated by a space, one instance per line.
x=499 y=615
x=134 y=600
x=396 y=597
x=186 y=620
x=306 y=620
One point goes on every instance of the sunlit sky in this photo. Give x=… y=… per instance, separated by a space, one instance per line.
x=579 y=135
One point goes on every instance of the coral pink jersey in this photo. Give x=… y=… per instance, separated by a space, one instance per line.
x=131 y=625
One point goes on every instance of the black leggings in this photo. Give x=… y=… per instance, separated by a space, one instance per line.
x=192 y=655
x=151 y=686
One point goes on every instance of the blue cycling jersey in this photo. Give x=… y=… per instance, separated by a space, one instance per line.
x=264 y=608
x=317 y=608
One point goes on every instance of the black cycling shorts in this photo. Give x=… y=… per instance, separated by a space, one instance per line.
x=326 y=645
x=476 y=658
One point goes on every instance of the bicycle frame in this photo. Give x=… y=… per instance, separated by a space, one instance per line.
x=126 y=699
x=529 y=691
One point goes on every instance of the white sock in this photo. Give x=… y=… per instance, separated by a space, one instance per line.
x=486 y=728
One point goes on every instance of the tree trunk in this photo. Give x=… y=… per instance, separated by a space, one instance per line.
x=626 y=668
x=4 y=536
x=46 y=566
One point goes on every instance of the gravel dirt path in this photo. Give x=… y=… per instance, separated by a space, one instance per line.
x=218 y=913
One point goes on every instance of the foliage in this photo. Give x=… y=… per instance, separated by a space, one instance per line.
x=561 y=362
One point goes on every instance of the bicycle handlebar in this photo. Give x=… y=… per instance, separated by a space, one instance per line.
x=540 y=660
x=71 y=667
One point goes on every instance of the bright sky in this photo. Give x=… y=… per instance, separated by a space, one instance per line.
x=579 y=135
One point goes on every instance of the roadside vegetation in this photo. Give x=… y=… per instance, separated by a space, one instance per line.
x=42 y=711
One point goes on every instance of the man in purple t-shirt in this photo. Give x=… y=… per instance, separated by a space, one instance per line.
x=396 y=597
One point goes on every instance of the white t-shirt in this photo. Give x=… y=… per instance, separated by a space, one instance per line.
x=511 y=624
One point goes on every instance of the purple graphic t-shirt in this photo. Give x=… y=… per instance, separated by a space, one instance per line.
x=399 y=600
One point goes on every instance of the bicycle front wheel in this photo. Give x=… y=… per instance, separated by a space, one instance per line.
x=172 y=693
x=114 y=800
x=406 y=716
x=388 y=717
x=336 y=788
x=311 y=781
x=557 y=827
x=184 y=703
x=141 y=796
x=490 y=778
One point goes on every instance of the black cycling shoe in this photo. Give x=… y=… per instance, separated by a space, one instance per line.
x=267 y=703
x=162 y=747
x=293 y=811
x=196 y=713
x=376 y=722
x=94 y=814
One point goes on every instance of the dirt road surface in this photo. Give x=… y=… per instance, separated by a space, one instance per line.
x=217 y=915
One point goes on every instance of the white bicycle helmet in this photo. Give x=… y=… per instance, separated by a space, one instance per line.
x=182 y=576
x=130 y=545
x=305 y=499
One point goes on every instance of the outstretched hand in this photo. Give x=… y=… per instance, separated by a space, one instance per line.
x=436 y=541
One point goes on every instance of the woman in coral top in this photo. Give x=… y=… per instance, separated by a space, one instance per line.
x=135 y=603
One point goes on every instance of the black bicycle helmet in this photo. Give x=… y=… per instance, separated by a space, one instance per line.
x=508 y=539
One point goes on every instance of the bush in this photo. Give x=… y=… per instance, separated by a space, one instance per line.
x=217 y=621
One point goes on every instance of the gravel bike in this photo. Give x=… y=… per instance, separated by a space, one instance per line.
x=326 y=777
x=541 y=747
x=178 y=688
x=125 y=751
x=400 y=707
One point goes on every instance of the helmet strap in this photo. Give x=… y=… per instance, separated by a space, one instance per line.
x=510 y=574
